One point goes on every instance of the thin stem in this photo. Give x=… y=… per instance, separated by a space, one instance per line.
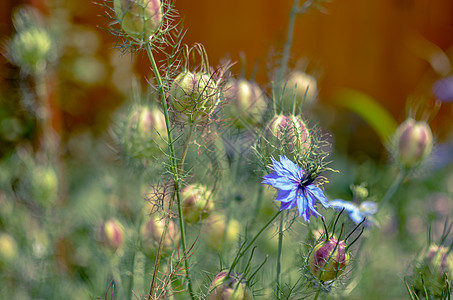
x=317 y=292
x=242 y=252
x=393 y=188
x=176 y=175
x=289 y=41
x=279 y=256
x=131 y=278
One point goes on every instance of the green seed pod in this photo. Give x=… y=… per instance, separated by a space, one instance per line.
x=145 y=132
x=232 y=288
x=414 y=143
x=328 y=259
x=194 y=96
x=248 y=103
x=151 y=233
x=30 y=49
x=140 y=19
x=215 y=231
x=44 y=185
x=435 y=266
x=287 y=135
x=197 y=203
x=112 y=234
x=300 y=88
x=8 y=248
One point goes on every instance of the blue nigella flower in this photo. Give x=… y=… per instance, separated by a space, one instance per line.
x=296 y=187
x=357 y=213
x=443 y=89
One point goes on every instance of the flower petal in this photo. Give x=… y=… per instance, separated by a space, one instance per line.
x=356 y=216
x=280 y=183
x=302 y=205
x=287 y=205
x=318 y=194
x=339 y=204
x=311 y=204
x=286 y=195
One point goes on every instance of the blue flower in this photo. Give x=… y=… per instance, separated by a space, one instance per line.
x=443 y=89
x=295 y=188
x=357 y=213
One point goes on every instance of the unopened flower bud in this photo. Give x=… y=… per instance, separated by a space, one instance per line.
x=216 y=234
x=231 y=288
x=414 y=142
x=151 y=233
x=194 y=96
x=112 y=234
x=248 y=102
x=287 y=134
x=8 y=248
x=300 y=88
x=140 y=19
x=328 y=259
x=197 y=203
x=433 y=268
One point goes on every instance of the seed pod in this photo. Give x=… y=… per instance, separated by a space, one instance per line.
x=151 y=233
x=140 y=19
x=248 y=102
x=215 y=231
x=145 y=132
x=414 y=143
x=301 y=88
x=222 y=288
x=287 y=134
x=194 y=96
x=8 y=248
x=44 y=185
x=435 y=266
x=328 y=259
x=197 y=203
x=112 y=234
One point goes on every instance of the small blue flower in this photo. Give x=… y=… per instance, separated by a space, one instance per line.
x=443 y=89
x=357 y=213
x=295 y=188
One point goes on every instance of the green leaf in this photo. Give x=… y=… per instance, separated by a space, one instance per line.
x=369 y=109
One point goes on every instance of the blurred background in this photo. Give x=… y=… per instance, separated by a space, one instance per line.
x=390 y=50
x=375 y=62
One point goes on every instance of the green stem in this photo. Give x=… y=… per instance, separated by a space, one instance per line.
x=279 y=256
x=393 y=188
x=131 y=278
x=317 y=293
x=176 y=175
x=242 y=252
x=289 y=41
